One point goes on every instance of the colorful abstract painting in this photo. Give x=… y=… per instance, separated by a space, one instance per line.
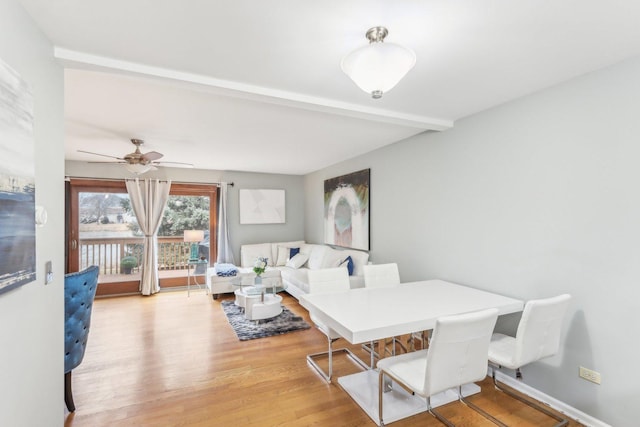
x=346 y=210
x=17 y=182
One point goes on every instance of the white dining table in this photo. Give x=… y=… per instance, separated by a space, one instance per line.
x=369 y=314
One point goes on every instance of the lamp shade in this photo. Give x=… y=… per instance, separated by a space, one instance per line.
x=193 y=235
x=377 y=67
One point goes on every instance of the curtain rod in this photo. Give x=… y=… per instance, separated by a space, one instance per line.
x=67 y=178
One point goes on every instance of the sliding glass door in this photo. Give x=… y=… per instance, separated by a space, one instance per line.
x=103 y=231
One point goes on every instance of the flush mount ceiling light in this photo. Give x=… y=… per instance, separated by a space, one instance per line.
x=378 y=66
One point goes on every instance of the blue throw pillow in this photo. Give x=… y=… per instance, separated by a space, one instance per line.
x=293 y=252
x=349 y=263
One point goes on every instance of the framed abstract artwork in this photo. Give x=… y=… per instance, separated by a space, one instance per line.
x=262 y=207
x=346 y=210
x=17 y=182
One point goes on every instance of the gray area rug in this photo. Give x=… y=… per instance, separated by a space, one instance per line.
x=249 y=329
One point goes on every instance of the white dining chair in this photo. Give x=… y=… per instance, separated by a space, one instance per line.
x=457 y=355
x=334 y=281
x=538 y=336
x=388 y=275
x=381 y=276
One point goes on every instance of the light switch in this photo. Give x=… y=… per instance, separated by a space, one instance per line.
x=48 y=273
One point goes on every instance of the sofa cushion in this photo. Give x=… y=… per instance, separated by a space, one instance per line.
x=283 y=256
x=316 y=255
x=298 y=260
x=332 y=258
x=250 y=253
x=308 y=247
x=296 y=277
x=323 y=256
x=292 y=244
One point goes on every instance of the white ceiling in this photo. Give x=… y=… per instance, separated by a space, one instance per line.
x=257 y=85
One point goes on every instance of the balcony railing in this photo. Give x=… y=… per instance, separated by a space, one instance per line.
x=173 y=253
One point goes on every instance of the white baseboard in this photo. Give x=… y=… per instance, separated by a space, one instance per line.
x=569 y=411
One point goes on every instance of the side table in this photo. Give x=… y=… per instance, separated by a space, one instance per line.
x=199 y=269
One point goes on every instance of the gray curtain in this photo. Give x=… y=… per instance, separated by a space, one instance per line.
x=148 y=199
x=223 y=247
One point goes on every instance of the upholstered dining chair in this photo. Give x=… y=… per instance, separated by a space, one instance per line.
x=387 y=275
x=381 y=276
x=457 y=355
x=329 y=280
x=537 y=337
x=79 y=291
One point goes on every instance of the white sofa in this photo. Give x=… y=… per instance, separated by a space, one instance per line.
x=318 y=256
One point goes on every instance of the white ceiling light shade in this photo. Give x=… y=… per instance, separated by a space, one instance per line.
x=139 y=168
x=378 y=66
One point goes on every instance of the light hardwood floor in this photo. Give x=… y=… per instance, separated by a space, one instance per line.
x=173 y=360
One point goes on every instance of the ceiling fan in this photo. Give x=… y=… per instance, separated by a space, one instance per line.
x=139 y=162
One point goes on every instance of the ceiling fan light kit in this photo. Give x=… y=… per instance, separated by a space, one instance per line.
x=139 y=168
x=377 y=67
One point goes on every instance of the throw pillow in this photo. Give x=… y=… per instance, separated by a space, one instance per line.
x=297 y=260
x=348 y=262
x=359 y=258
x=283 y=255
x=293 y=252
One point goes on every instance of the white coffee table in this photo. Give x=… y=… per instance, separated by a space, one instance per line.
x=259 y=301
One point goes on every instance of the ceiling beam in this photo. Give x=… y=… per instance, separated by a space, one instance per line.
x=75 y=59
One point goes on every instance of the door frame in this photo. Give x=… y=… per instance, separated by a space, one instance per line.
x=79 y=185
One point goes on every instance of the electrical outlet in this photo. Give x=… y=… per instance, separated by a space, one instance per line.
x=590 y=375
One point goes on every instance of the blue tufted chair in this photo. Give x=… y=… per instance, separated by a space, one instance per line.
x=79 y=291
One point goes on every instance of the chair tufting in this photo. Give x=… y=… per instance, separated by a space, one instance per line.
x=79 y=292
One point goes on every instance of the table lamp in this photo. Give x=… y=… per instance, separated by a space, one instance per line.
x=193 y=237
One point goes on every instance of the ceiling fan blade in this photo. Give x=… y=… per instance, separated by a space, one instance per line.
x=110 y=163
x=98 y=154
x=152 y=155
x=174 y=164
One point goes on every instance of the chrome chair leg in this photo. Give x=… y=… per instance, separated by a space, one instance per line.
x=311 y=358
x=561 y=421
x=438 y=415
x=372 y=354
x=384 y=386
x=479 y=410
x=370 y=347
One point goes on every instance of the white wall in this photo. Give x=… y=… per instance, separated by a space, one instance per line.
x=530 y=199
x=292 y=229
x=32 y=335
